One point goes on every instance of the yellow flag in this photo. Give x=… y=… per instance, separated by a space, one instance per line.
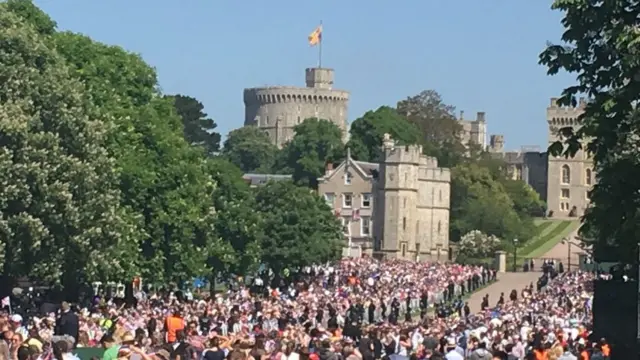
x=316 y=36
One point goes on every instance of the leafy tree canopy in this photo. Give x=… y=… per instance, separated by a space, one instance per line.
x=32 y=15
x=479 y=202
x=236 y=222
x=316 y=143
x=368 y=131
x=299 y=227
x=601 y=45
x=59 y=199
x=438 y=126
x=198 y=128
x=162 y=178
x=250 y=149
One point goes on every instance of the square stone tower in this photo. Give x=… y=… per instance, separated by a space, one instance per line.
x=398 y=184
x=568 y=179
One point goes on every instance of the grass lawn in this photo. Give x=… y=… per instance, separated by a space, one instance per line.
x=552 y=238
x=551 y=234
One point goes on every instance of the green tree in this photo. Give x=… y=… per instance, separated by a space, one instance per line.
x=250 y=149
x=438 y=126
x=526 y=201
x=163 y=178
x=31 y=14
x=316 y=143
x=299 y=227
x=601 y=46
x=368 y=131
x=236 y=222
x=198 y=128
x=479 y=202
x=60 y=215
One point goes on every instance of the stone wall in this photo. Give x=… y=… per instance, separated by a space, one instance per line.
x=277 y=109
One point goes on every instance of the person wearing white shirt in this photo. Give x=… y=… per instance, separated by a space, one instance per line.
x=416 y=339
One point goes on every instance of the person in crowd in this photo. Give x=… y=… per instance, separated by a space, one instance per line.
x=67 y=323
x=361 y=309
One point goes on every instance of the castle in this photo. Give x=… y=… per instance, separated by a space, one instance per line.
x=278 y=109
x=397 y=208
x=474 y=131
x=562 y=182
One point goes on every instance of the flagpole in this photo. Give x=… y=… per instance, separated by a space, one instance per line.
x=320 y=46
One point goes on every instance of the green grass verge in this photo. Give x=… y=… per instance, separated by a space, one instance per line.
x=554 y=237
x=541 y=238
x=541 y=227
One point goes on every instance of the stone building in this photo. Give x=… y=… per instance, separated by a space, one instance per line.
x=277 y=109
x=529 y=164
x=398 y=208
x=568 y=179
x=474 y=131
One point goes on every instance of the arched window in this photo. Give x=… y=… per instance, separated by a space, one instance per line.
x=588 y=179
x=566 y=174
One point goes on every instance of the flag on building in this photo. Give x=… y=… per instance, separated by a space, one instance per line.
x=355 y=215
x=316 y=36
x=6 y=301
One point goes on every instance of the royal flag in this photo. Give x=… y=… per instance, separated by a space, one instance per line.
x=316 y=36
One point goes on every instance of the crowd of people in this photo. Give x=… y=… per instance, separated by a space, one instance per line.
x=356 y=309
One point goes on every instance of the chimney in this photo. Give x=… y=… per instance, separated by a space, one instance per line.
x=480 y=116
x=554 y=101
x=328 y=169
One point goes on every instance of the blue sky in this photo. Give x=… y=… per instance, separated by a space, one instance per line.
x=479 y=55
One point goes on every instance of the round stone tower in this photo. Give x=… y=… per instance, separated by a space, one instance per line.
x=277 y=109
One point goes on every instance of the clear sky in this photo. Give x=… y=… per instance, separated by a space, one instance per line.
x=479 y=55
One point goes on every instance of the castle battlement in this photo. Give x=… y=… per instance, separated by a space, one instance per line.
x=406 y=154
x=428 y=161
x=564 y=115
x=278 y=109
x=435 y=175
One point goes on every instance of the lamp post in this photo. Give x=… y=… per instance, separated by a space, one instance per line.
x=515 y=254
x=568 y=242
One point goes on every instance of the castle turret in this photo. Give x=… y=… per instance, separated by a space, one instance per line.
x=568 y=179
x=496 y=143
x=399 y=173
x=319 y=78
x=278 y=109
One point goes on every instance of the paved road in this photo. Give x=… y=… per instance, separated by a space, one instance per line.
x=509 y=281
x=506 y=282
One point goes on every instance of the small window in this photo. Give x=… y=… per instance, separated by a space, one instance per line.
x=330 y=198
x=566 y=174
x=267 y=120
x=366 y=200
x=403 y=248
x=347 y=200
x=404 y=223
x=347 y=178
x=346 y=226
x=440 y=195
x=588 y=179
x=298 y=119
x=404 y=203
x=365 y=226
x=565 y=194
